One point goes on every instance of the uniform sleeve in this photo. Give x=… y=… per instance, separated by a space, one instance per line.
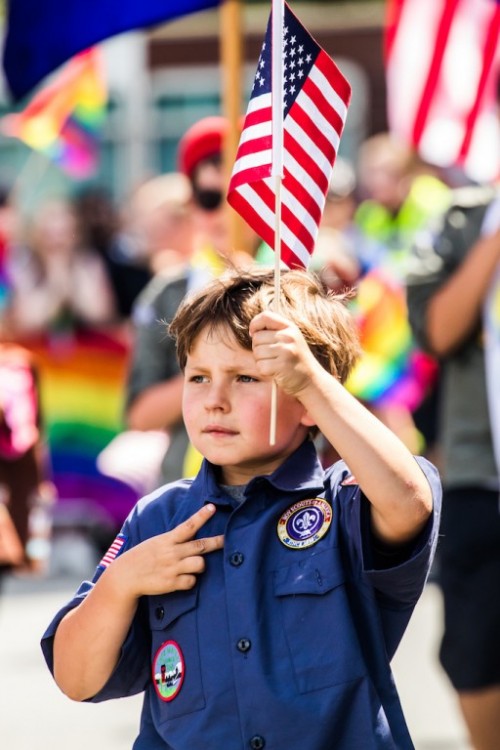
x=132 y=670
x=404 y=581
x=393 y=590
x=401 y=583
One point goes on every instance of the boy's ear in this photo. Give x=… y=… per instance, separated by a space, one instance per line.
x=307 y=421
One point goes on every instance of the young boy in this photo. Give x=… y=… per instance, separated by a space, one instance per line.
x=258 y=604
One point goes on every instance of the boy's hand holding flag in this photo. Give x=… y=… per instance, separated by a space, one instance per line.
x=285 y=159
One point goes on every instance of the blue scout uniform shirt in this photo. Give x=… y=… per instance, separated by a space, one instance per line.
x=286 y=639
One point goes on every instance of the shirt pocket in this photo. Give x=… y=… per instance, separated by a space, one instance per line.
x=317 y=622
x=176 y=685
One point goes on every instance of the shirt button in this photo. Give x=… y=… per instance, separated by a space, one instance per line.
x=159 y=612
x=236 y=559
x=257 y=742
x=244 y=645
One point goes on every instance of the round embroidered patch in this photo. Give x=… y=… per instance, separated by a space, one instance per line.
x=305 y=523
x=168 y=670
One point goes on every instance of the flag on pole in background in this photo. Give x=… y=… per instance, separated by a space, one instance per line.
x=63 y=120
x=315 y=100
x=41 y=36
x=442 y=66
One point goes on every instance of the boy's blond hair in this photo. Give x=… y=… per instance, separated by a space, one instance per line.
x=232 y=300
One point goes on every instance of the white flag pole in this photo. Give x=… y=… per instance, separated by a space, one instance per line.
x=278 y=15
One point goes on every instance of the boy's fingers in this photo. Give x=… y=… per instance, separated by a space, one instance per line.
x=204 y=545
x=189 y=528
x=266 y=320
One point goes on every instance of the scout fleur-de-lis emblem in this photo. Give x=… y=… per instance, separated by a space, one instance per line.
x=304 y=523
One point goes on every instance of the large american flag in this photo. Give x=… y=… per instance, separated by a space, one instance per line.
x=315 y=100
x=442 y=68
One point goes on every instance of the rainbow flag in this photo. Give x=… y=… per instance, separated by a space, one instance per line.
x=391 y=370
x=82 y=384
x=63 y=121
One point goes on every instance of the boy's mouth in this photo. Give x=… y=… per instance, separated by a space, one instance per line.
x=215 y=429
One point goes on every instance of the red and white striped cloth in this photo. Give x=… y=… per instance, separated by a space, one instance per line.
x=442 y=66
x=113 y=551
x=315 y=100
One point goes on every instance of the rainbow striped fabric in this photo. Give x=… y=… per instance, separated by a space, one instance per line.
x=391 y=370
x=64 y=119
x=81 y=380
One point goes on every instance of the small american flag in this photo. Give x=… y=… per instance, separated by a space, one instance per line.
x=113 y=551
x=315 y=100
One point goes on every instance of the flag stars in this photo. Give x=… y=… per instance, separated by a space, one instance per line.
x=297 y=54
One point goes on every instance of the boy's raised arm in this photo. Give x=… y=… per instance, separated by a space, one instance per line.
x=384 y=468
x=89 y=639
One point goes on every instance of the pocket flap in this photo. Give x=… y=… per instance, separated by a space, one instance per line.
x=166 y=608
x=316 y=574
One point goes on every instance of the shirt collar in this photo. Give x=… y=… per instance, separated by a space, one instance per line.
x=299 y=472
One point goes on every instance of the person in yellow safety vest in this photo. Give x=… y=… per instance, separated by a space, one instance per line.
x=399 y=195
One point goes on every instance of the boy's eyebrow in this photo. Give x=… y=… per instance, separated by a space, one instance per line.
x=202 y=368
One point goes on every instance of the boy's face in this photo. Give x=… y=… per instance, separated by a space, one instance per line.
x=227 y=407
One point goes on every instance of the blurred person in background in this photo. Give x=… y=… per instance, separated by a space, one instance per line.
x=195 y=231
x=454 y=305
x=27 y=495
x=100 y=229
x=341 y=245
x=154 y=385
x=398 y=196
x=58 y=285
x=26 y=492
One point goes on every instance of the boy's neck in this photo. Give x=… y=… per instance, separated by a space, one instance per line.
x=236 y=491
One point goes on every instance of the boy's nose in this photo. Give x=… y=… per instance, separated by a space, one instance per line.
x=217 y=397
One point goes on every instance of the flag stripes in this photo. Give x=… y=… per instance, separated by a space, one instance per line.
x=442 y=67
x=113 y=551
x=315 y=99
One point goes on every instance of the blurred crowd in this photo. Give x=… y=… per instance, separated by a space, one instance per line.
x=83 y=275
x=90 y=389
x=88 y=286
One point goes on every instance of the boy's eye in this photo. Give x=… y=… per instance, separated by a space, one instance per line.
x=246 y=379
x=197 y=379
